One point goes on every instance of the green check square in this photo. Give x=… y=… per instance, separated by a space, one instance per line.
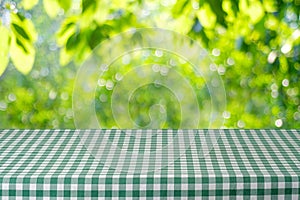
x=12 y=180
x=81 y=180
x=80 y=193
x=122 y=193
x=40 y=181
x=26 y=180
x=288 y=179
x=232 y=192
x=274 y=191
x=39 y=193
x=246 y=179
x=205 y=180
x=150 y=180
x=260 y=192
x=25 y=193
x=149 y=193
x=53 y=181
x=274 y=179
x=136 y=193
x=177 y=193
x=67 y=181
x=246 y=192
x=164 y=193
x=232 y=179
x=205 y=193
x=108 y=193
x=163 y=180
x=67 y=193
x=53 y=193
x=288 y=191
x=260 y=179
x=122 y=181
x=136 y=181
x=191 y=180
x=191 y=193
x=95 y=181
x=177 y=180
x=12 y=193
x=108 y=181
x=219 y=193
x=219 y=180
x=94 y=193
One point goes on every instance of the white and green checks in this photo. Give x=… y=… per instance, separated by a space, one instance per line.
x=50 y=164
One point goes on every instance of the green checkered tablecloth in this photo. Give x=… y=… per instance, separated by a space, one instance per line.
x=50 y=164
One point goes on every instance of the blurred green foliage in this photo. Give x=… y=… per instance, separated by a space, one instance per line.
x=254 y=43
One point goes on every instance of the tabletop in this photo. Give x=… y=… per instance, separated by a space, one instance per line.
x=142 y=164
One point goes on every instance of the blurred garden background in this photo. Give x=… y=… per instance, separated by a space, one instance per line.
x=255 y=45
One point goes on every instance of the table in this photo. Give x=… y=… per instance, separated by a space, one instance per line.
x=36 y=164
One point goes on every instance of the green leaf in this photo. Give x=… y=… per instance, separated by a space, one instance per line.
x=65 y=4
x=20 y=16
x=23 y=60
x=87 y=4
x=179 y=7
x=51 y=7
x=23 y=28
x=270 y=5
x=256 y=12
x=68 y=28
x=65 y=57
x=216 y=6
x=29 y=4
x=20 y=31
x=4 y=48
x=72 y=42
x=21 y=45
x=206 y=16
x=99 y=34
x=65 y=28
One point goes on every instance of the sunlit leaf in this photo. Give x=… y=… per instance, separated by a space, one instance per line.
x=180 y=7
x=65 y=57
x=68 y=28
x=22 y=45
x=283 y=64
x=19 y=30
x=255 y=11
x=88 y=4
x=231 y=9
x=20 y=16
x=72 y=41
x=206 y=16
x=270 y=5
x=216 y=6
x=24 y=28
x=22 y=60
x=4 y=48
x=51 y=7
x=65 y=4
x=29 y=4
x=100 y=14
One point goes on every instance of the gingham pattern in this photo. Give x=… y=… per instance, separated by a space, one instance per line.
x=48 y=164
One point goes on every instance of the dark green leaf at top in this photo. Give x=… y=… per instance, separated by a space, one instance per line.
x=87 y=4
x=73 y=41
x=20 y=31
